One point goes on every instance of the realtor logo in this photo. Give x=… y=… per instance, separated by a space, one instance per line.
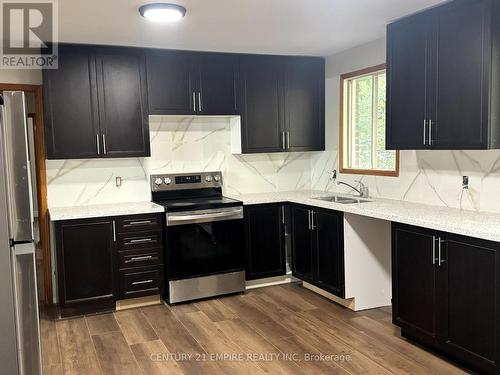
x=28 y=34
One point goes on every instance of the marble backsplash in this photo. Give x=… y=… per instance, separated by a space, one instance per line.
x=177 y=145
x=203 y=144
x=430 y=177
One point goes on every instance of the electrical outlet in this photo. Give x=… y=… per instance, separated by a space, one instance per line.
x=465 y=182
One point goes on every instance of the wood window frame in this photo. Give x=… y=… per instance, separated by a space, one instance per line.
x=369 y=172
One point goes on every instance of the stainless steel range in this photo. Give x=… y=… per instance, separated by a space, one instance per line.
x=204 y=236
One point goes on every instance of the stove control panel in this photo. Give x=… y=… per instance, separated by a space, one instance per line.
x=184 y=181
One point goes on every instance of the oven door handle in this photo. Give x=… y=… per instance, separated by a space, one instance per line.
x=173 y=219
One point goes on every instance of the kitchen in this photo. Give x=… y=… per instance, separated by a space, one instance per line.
x=202 y=200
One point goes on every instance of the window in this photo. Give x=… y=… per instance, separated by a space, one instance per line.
x=362 y=124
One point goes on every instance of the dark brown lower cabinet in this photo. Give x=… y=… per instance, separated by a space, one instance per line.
x=265 y=241
x=446 y=294
x=85 y=266
x=102 y=260
x=318 y=247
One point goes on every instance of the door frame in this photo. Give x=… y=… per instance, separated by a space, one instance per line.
x=41 y=179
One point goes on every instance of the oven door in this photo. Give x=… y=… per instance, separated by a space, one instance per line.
x=201 y=243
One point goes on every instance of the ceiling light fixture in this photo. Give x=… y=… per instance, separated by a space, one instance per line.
x=162 y=12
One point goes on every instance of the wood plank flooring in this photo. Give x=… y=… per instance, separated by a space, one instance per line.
x=277 y=330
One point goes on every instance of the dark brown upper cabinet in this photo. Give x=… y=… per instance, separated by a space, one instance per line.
x=262 y=104
x=443 y=71
x=96 y=103
x=190 y=83
x=305 y=103
x=172 y=87
x=70 y=105
x=121 y=78
x=282 y=103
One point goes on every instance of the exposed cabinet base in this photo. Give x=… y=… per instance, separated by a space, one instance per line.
x=349 y=303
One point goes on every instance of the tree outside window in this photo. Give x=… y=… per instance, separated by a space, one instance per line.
x=362 y=125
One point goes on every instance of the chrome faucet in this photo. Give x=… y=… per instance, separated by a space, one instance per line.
x=363 y=190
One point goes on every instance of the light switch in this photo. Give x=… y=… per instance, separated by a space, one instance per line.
x=118 y=182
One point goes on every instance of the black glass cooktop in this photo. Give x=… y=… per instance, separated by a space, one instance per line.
x=205 y=203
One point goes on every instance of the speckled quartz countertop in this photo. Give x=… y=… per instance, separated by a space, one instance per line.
x=469 y=223
x=103 y=210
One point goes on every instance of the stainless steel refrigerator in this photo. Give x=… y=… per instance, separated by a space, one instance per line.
x=19 y=319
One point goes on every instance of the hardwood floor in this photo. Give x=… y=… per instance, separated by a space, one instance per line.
x=276 y=330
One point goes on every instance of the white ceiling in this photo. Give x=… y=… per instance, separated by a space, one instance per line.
x=307 y=27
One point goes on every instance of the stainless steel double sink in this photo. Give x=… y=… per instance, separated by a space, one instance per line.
x=342 y=199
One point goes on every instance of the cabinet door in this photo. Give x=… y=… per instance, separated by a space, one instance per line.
x=302 y=258
x=414 y=281
x=70 y=104
x=172 y=83
x=469 y=300
x=85 y=266
x=462 y=75
x=265 y=241
x=329 y=255
x=262 y=103
x=408 y=55
x=123 y=102
x=218 y=84
x=305 y=103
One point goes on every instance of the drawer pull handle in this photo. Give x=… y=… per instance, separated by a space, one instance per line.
x=138 y=259
x=142 y=282
x=140 y=222
x=140 y=240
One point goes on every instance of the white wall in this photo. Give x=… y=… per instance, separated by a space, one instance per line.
x=433 y=177
x=21 y=76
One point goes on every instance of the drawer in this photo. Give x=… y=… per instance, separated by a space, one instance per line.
x=142 y=258
x=141 y=282
x=135 y=241
x=139 y=223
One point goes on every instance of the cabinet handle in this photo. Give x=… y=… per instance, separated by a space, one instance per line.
x=114 y=231
x=142 y=282
x=440 y=260
x=433 y=250
x=288 y=140
x=200 y=106
x=194 y=101
x=140 y=240
x=98 y=145
x=430 y=132
x=138 y=259
x=283 y=214
x=144 y=222
x=425 y=132
x=104 y=144
x=283 y=140
x=313 y=227
x=309 y=218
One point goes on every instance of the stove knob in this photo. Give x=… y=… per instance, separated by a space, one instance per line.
x=158 y=181
x=167 y=180
x=208 y=178
x=217 y=177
